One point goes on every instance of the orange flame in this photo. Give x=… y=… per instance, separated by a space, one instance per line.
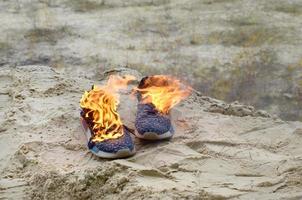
x=100 y=108
x=164 y=92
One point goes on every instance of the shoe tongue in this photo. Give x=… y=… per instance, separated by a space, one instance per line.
x=142 y=83
x=150 y=108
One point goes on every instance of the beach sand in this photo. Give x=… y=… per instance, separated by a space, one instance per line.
x=219 y=151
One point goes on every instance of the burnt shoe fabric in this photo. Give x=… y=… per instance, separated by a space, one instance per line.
x=151 y=124
x=110 y=148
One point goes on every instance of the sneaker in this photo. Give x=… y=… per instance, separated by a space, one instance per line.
x=106 y=135
x=156 y=96
x=120 y=147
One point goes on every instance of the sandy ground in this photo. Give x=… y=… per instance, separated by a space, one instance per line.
x=220 y=151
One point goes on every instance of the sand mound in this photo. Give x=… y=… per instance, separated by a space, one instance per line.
x=220 y=150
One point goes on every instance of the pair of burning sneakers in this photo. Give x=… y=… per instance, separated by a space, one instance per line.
x=150 y=124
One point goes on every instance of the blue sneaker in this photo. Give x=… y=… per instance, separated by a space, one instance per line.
x=152 y=125
x=120 y=147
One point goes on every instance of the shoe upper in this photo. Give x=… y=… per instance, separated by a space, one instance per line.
x=148 y=119
x=113 y=145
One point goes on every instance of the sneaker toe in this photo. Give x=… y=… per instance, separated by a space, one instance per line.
x=151 y=121
x=121 y=144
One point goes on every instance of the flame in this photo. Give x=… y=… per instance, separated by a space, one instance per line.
x=100 y=108
x=164 y=92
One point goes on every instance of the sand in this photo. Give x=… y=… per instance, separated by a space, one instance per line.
x=219 y=151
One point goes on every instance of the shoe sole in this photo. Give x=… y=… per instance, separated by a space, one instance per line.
x=154 y=136
x=123 y=153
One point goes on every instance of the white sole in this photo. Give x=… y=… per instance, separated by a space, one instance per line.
x=120 y=154
x=154 y=136
x=123 y=153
